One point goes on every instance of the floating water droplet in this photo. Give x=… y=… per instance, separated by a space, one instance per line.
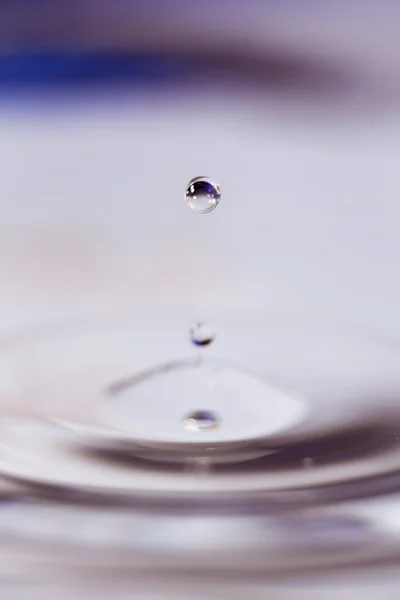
x=201 y=420
x=202 y=334
x=203 y=194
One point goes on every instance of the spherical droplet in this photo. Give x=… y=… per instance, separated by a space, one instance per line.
x=202 y=334
x=201 y=420
x=203 y=194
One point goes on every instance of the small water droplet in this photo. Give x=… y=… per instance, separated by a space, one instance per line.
x=202 y=334
x=203 y=194
x=201 y=420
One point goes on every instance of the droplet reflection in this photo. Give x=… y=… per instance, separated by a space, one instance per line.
x=201 y=420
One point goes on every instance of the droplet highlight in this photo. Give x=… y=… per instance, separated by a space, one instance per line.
x=203 y=194
x=201 y=420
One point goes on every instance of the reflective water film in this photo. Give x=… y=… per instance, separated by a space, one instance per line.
x=284 y=471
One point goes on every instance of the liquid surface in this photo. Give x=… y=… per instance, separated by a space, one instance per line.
x=300 y=479
x=203 y=194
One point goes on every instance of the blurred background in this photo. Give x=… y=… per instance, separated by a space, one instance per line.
x=107 y=109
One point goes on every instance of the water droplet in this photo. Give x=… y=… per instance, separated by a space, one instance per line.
x=203 y=194
x=202 y=334
x=201 y=420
